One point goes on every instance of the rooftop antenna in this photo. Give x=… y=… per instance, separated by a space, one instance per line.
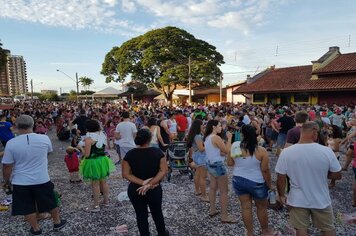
x=256 y=71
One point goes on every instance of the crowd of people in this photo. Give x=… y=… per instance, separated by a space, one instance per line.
x=309 y=141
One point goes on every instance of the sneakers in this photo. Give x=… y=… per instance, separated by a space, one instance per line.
x=60 y=225
x=33 y=232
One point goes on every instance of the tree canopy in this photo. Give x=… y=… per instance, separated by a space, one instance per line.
x=3 y=57
x=160 y=59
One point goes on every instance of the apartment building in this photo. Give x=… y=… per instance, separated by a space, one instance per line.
x=4 y=78
x=17 y=75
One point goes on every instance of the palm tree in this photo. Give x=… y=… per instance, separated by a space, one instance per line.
x=86 y=82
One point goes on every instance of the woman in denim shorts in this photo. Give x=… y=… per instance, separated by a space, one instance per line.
x=252 y=179
x=195 y=143
x=216 y=150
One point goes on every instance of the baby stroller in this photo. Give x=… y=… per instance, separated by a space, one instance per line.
x=177 y=155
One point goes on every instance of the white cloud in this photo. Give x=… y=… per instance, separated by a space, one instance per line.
x=74 y=14
x=128 y=6
x=108 y=15
x=235 y=14
x=111 y=2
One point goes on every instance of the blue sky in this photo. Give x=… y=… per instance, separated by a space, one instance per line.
x=74 y=36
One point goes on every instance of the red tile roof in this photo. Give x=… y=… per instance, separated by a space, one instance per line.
x=297 y=79
x=344 y=63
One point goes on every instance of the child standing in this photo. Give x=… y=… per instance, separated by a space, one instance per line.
x=72 y=162
x=110 y=133
x=96 y=166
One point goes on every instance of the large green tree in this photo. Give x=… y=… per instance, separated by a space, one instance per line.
x=160 y=59
x=86 y=82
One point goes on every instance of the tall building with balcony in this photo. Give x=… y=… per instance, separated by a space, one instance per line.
x=4 y=78
x=17 y=75
x=13 y=77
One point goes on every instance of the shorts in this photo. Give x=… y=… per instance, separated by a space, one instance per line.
x=217 y=169
x=269 y=132
x=323 y=219
x=28 y=199
x=199 y=158
x=244 y=186
x=281 y=140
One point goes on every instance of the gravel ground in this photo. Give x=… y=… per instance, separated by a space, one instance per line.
x=184 y=213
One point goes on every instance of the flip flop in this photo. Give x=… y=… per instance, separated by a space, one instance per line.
x=229 y=221
x=214 y=214
x=105 y=204
x=206 y=199
x=93 y=209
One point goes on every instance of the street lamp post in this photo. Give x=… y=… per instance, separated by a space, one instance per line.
x=76 y=81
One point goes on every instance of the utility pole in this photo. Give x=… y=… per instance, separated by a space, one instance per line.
x=31 y=89
x=190 y=82
x=77 y=82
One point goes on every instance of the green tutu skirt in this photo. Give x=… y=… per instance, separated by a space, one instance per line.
x=96 y=168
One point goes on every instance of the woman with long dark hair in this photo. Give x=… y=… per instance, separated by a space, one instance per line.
x=216 y=151
x=156 y=133
x=252 y=179
x=145 y=167
x=195 y=143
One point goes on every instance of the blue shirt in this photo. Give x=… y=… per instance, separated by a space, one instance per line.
x=5 y=131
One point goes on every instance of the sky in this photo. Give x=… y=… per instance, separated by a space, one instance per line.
x=74 y=36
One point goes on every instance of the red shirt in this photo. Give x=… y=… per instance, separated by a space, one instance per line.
x=182 y=123
x=312 y=115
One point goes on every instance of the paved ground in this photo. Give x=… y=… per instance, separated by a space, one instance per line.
x=184 y=213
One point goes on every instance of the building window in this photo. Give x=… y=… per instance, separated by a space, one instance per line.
x=258 y=98
x=301 y=97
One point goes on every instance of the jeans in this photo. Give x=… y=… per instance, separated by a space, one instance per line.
x=281 y=140
x=153 y=199
x=244 y=186
x=217 y=169
x=199 y=158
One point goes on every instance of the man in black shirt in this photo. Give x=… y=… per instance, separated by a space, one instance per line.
x=286 y=123
x=80 y=122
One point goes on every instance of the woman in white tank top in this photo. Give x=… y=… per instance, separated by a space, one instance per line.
x=216 y=150
x=156 y=133
x=252 y=180
x=172 y=126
